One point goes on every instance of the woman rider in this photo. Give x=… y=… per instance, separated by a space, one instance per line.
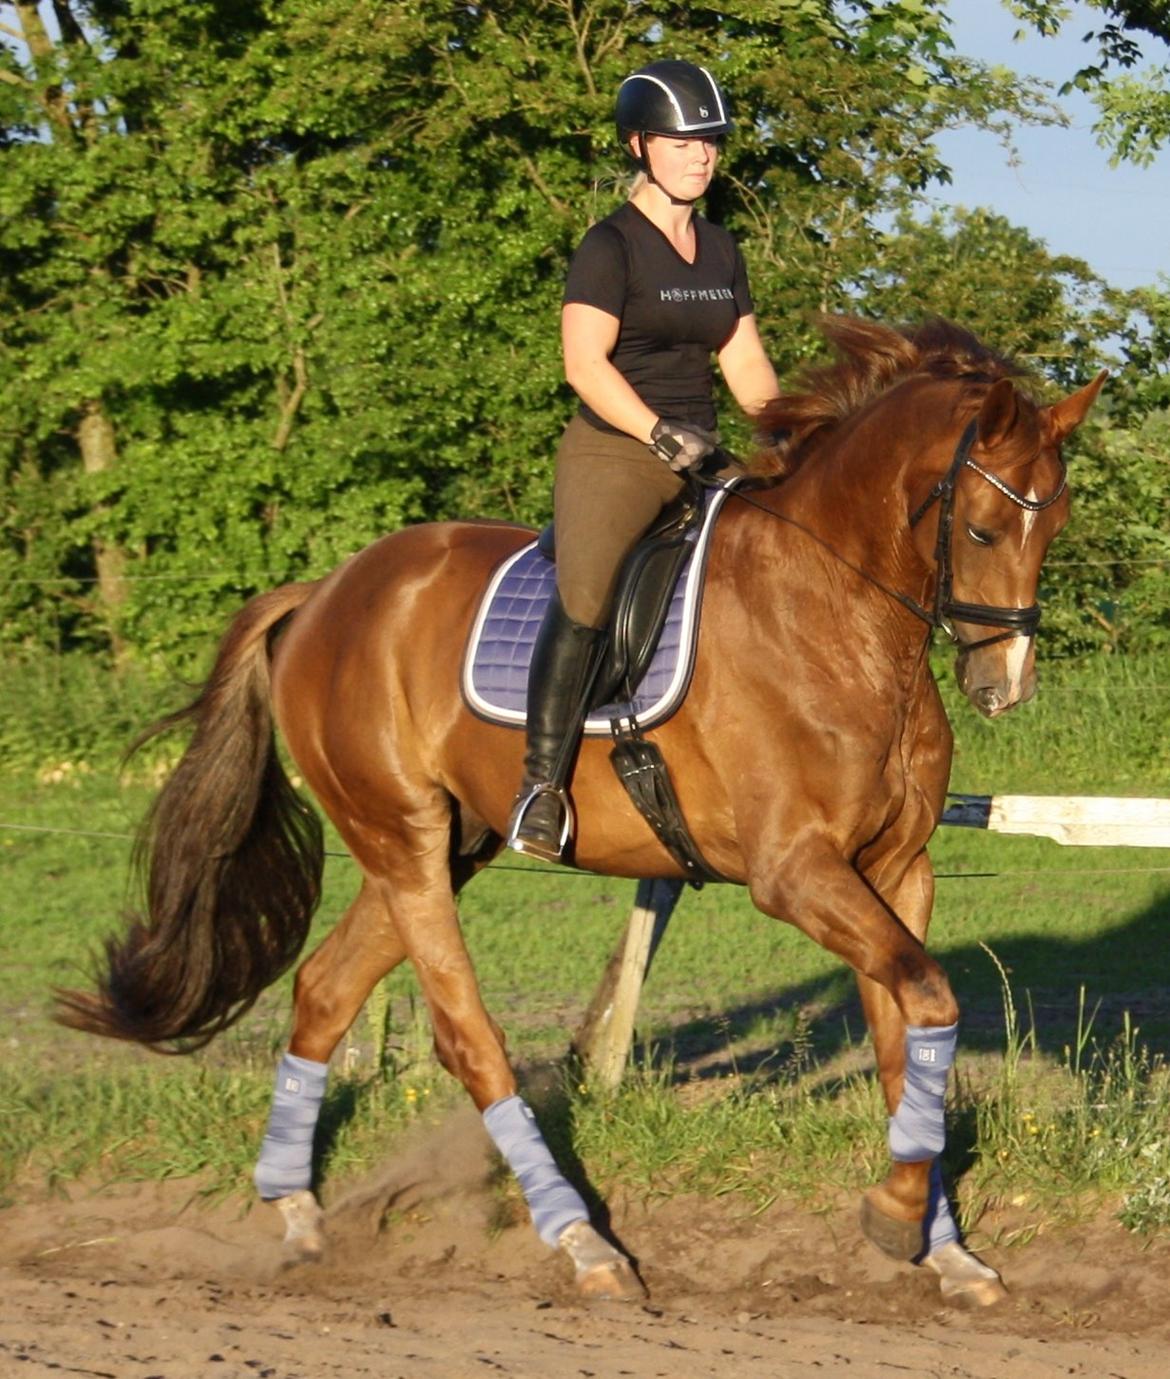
x=653 y=290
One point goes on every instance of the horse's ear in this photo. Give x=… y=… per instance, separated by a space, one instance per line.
x=1065 y=416
x=998 y=414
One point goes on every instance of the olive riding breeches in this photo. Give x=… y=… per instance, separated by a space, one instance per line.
x=609 y=489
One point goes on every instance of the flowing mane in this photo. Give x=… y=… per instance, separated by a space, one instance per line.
x=871 y=358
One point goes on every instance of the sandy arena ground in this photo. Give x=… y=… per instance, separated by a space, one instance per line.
x=143 y=1281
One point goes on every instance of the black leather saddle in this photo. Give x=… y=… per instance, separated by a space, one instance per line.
x=642 y=598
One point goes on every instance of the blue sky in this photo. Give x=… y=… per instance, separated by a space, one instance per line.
x=1064 y=191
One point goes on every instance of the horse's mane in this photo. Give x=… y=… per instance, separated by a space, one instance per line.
x=871 y=358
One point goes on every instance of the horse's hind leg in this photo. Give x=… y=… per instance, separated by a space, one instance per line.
x=331 y=988
x=470 y=1045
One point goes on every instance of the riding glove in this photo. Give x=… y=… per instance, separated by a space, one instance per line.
x=681 y=445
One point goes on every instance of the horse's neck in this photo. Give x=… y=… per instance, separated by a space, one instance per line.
x=852 y=494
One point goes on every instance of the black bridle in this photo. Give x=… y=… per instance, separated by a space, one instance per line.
x=1018 y=622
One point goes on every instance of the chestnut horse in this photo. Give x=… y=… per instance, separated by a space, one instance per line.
x=917 y=485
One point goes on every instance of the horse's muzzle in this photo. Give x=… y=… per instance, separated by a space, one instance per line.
x=997 y=678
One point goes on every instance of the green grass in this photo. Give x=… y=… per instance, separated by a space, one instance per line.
x=135 y=1119
x=1063 y=1137
x=1096 y=727
x=750 y=1072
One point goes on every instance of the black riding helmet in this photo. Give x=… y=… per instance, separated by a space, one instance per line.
x=669 y=97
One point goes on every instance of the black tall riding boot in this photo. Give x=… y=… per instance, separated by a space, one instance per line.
x=563 y=661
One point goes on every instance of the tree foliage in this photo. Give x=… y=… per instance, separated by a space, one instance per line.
x=1134 y=106
x=278 y=275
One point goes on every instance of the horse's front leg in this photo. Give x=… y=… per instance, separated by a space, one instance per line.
x=813 y=887
x=912 y=1066
x=934 y=1239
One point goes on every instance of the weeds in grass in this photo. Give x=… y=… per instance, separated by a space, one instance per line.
x=1061 y=1138
x=747 y=1137
x=1055 y=1140
x=71 y=713
x=1055 y=1136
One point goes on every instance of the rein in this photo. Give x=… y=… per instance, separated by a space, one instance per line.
x=1019 y=622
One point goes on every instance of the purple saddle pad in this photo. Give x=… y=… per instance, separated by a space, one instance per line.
x=495 y=666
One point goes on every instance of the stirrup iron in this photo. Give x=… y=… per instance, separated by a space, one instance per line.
x=524 y=803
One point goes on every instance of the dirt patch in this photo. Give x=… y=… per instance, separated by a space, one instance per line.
x=148 y=1281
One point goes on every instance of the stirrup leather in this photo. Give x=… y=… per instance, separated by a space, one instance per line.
x=524 y=802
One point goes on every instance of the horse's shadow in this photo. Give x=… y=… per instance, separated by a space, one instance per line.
x=1064 y=992
x=1059 y=992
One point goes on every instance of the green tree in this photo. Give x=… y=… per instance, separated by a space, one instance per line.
x=1106 y=583
x=278 y=275
x=1051 y=311
x=1134 y=107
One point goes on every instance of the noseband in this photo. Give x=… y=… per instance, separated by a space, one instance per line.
x=1019 y=622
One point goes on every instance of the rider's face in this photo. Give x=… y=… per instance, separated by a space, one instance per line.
x=683 y=168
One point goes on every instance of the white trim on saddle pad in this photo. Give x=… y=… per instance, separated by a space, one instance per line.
x=494 y=685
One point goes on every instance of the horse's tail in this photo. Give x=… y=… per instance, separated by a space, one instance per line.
x=231 y=859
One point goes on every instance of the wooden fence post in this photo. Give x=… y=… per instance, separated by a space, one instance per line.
x=606 y=1034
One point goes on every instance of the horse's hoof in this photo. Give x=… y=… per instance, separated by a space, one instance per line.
x=602 y=1271
x=304 y=1227
x=894 y=1237
x=965 y=1280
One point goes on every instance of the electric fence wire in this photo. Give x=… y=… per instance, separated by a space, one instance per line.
x=593 y=876
x=265 y=579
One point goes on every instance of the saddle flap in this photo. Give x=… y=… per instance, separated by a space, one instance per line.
x=641 y=605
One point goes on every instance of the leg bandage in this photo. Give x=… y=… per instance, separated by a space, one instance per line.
x=554 y=1203
x=917 y=1129
x=939 y=1226
x=286 y=1156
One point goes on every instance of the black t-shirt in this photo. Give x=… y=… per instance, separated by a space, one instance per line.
x=673 y=314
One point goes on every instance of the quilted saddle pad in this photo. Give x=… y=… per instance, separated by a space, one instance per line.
x=499 y=650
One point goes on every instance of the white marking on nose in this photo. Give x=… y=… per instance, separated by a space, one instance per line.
x=1016 y=654
x=1015 y=658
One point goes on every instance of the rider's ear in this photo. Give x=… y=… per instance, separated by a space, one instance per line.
x=998 y=414
x=1065 y=416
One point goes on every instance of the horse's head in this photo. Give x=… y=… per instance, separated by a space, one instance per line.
x=1000 y=504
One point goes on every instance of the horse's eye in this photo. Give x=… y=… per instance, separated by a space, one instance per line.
x=980 y=535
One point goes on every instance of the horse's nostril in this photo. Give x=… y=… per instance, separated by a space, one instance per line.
x=987 y=699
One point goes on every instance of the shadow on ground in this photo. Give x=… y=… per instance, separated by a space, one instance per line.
x=1058 y=986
